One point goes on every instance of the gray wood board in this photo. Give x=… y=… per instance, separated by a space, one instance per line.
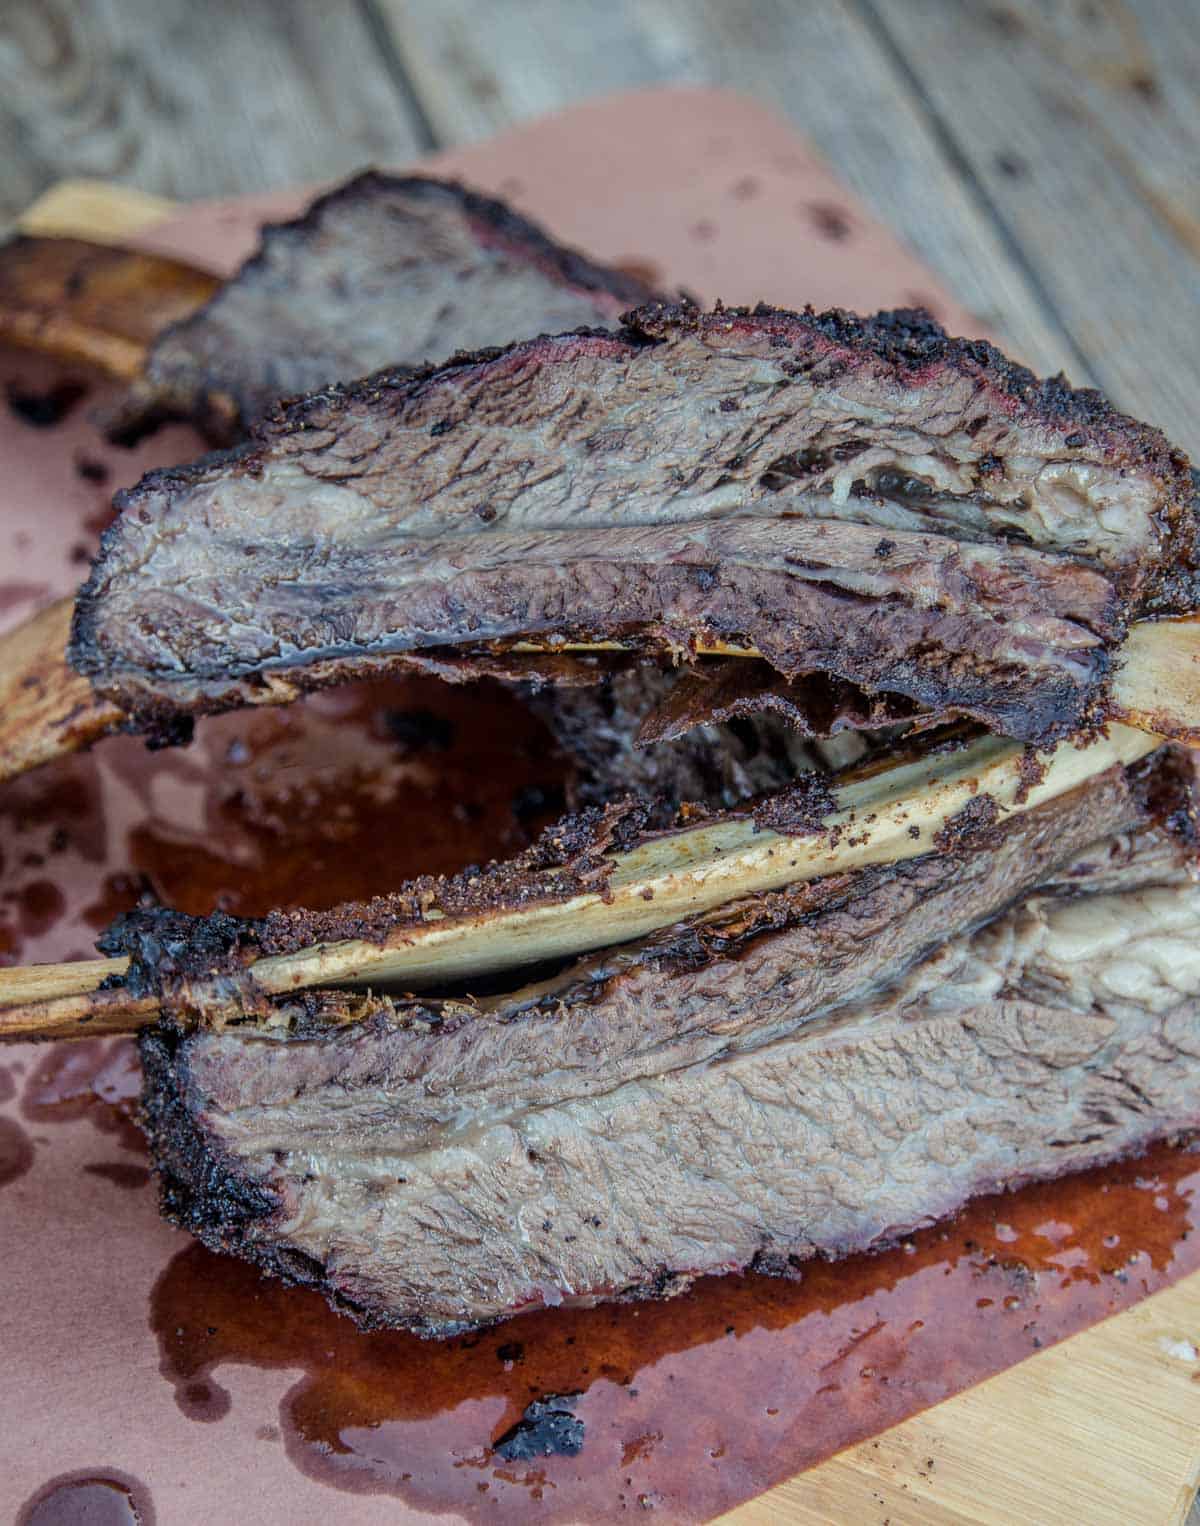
x=476 y=67
x=194 y=98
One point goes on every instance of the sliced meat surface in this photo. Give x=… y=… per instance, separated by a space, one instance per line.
x=386 y=270
x=864 y=499
x=806 y=1074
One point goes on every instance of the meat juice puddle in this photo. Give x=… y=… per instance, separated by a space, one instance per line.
x=687 y=1406
x=89 y=1499
x=694 y=1404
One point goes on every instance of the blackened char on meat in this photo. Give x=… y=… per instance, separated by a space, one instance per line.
x=198 y=965
x=602 y=726
x=714 y=734
x=862 y=498
x=810 y=1073
x=386 y=270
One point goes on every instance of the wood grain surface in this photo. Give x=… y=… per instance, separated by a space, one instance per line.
x=1040 y=157
x=1101 y=1429
x=186 y=99
x=477 y=67
x=1085 y=145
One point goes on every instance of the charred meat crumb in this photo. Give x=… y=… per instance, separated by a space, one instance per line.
x=545 y=1429
x=168 y=950
x=800 y=810
x=43 y=410
x=971 y=828
x=1031 y=771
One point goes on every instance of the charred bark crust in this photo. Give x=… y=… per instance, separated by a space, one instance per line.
x=200 y=1188
x=1003 y=599
x=221 y=394
x=851 y=928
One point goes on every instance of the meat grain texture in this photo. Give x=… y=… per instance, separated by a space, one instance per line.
x=385 y=270
x=906 y=527
x=864 y=499
x=814 y=1072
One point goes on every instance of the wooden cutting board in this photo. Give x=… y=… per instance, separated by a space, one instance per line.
x=1103 y=1428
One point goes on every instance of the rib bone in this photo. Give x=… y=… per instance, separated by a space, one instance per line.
x=881 y=816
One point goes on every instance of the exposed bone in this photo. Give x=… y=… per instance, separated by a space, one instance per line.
x=884 y=815
x=47 y=710
x=47 y=1001
x=91 y=302
x=1157 y=684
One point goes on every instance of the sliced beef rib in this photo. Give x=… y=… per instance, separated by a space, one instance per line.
x=386 y=270
x=864 y=499
x=807 y=1074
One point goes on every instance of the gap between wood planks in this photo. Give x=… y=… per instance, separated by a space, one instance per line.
x=1084 y=366
x=1041 y=159
x=1079 y=124
x=477 y=69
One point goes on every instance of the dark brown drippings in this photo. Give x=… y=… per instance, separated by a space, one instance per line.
x=640 y=269
x=691 y=1405
x=830 y=221
x=16 y=1151
x=102 y=1498
x=15 y=593
x=45 y=409
x=97 y=522
x=698 y=1401
x=91 y=470
x=120 y=1173
x=38 y=904
x=335 y=799
x=96 y=1079
x=8 y=1087
x=362 y=789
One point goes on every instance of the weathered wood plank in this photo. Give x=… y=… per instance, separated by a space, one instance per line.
x=188 y=99
x=1079 y=122
x=477 y=67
